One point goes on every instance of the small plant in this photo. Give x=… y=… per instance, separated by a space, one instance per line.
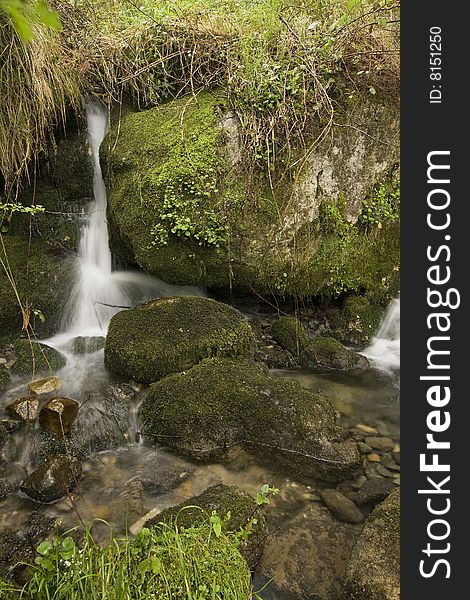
x=383 y=206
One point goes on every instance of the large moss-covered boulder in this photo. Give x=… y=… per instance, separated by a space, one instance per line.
x=41 y=277
x=225 y=500
x=34 y=357
x=222 y=402
x=181 y=205
x=374 y=567
x=169 y=335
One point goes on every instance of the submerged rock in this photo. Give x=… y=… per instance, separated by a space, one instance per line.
x=44 y=386
x=87 y=345
x=53 y=479
x=25 y=409
x=58 y=414
x=223 y=402
x=307 y=555
x=36 y=357
x=343 y=508
x=374 y=568
x=223 y=499
x=170 y=335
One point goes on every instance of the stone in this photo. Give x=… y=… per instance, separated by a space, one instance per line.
x=223 y=499
x=52 y=479
x=226 y=402
x=4 y=376
x=373 y=491
x=382 y=444
x=381 y=470
x=3 y=361
x=366 y=428
x=364 y=448
x=3 y=436
x=169 y=335
x=58 y=414
x=341 y=507
x=10 y=424
x=25 y=409
x=44 y=386
x=6 y=487
x=307 y=555
x=34 y=357
x=373 y=457
x=374 y=567
x=87 y=345
x=330 y=353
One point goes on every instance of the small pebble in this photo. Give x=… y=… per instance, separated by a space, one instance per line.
x=373 y=457
x=366 y=428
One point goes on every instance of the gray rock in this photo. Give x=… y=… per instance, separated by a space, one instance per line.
x=373 y=491
x=341 y=507
x=53 y=479
x=87 y=345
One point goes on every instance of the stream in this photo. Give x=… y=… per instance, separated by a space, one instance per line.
x=121 y=485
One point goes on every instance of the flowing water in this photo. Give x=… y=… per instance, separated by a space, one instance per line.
x=121 y=485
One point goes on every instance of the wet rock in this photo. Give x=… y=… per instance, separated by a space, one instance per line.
x=366 y=429
x=53 y=479
x=223 y=499
x=87 y=345
x=101 y=424
x=372 y=492
x=382 y=444
x=25 y=409
x=10 y=424
x=122 y=392
x=44 y=386
x=340 y=506
x=330 y=353
x=6 y=487
x=225 y=402
x=381 y=470
x=4 y=376
x=170 y=335
x=35 y=357
x=364 y=448
x=374 y=568
x=307 y=556
x=58 y=414
x=275 y=357
x=373 y=457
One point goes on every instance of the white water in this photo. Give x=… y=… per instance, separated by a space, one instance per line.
x=100 y=292
x=384 y=351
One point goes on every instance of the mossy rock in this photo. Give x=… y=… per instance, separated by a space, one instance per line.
x=42 y=278
x=290 y=334
x=223 y=402
x=169 y=335
x=223 y=499
x=374 y=567
x=37 y=357
x=64 y=186
x=331 y=354
x=356 y=322
x=88 y=345
x=4 y=377
x=180 y=209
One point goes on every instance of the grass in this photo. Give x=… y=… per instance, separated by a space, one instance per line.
x=199 y=562
x=282 y=66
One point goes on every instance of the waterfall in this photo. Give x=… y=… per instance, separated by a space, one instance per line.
x=384 y=351
x=100 y=292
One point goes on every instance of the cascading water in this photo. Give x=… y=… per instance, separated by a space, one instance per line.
x=384 y=351
x=99 y=291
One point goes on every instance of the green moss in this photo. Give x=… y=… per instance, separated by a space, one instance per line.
x=357 y=321
x=290 y=334
x=4 y=377
x=37 y=357
x=225 y=500
x=222 y=402
x=173 y=334
x=330 y=353
x=42 y=279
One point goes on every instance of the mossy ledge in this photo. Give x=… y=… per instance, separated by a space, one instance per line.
x=223 y=402
x=169 y=335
